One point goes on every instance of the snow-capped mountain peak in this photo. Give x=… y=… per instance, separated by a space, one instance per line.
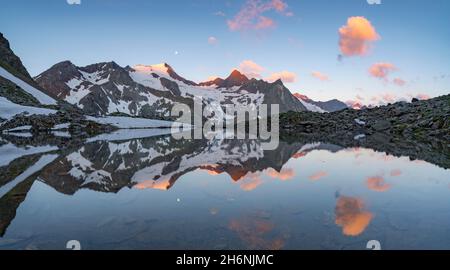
x=160 y=69
x=152 y=90
x=236 y=78
x=320 y=106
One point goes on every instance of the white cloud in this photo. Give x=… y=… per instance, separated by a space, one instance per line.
x=212 y=40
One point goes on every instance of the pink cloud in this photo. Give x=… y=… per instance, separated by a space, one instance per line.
x=357 y=36
x=250 y=181
x=279 y=5
x=285 y=76
x=289 y=14
x=211 y=78
x=354 y=104
x=422 y=97
x=358 y=97
x=283 y=175
x=264 y=22
x=251 y=17
x=396 y=172
x=381 y=70
x=320 y=76
x=399 y=82
x=351 y=215
x=389 y=98
x=250 y=69
x=318 y=175
x=212 y=40
x=377 y=183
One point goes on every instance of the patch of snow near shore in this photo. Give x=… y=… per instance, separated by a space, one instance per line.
x=360 y=122
x=39 y=165
x=64 y=134
x=21 y=128
x=61 y=126
x=9 y=109
x=40 y=96
x=21 y=134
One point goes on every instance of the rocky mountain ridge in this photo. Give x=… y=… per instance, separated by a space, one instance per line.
x=321 y=106
x=152 y=90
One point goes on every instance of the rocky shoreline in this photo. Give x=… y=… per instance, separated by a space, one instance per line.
x=419 y=130
x=420 y=120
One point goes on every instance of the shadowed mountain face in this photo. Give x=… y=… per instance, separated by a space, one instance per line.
x=8 y=57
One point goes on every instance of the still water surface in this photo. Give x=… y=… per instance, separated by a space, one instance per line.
x=159 y=193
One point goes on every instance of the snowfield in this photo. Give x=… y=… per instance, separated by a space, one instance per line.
x=9 y=109
x=40 y=96
x=311 y=107
x=144 y=75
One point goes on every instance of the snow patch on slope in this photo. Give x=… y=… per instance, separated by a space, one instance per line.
x=9 y=109
x=311 y=107
x=40 y=96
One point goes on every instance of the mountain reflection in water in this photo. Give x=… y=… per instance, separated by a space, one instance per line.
x=162 y=193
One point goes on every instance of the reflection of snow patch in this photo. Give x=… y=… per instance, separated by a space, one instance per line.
x=10 y=152
x=9 y=109
x=130 y=122
x=41 y=163
x=61 y=126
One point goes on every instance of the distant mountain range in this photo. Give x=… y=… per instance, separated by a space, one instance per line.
x=148 y=91
x=152 y=90
x=321 y=106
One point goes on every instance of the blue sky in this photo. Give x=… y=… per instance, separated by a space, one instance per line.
x=202 y=38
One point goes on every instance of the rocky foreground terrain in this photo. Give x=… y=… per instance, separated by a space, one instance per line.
x=427 y=119
x=420 y=129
